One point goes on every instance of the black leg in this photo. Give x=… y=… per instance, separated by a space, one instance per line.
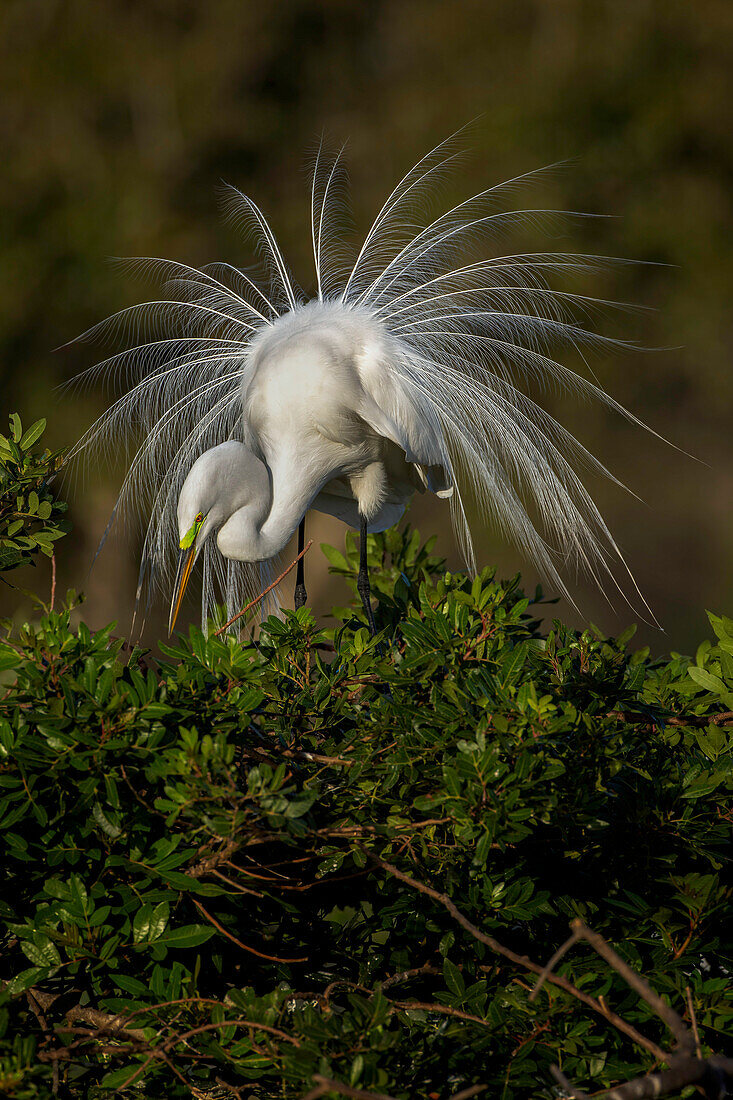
x=301 y=596
x=362 y=581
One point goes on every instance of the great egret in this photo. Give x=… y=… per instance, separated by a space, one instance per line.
x=402 y=373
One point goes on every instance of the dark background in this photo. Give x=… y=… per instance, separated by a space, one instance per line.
x=119 y=119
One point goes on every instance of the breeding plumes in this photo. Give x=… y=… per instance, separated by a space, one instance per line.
x=249 y=405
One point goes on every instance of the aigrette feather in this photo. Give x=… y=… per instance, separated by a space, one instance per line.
x=465 y=336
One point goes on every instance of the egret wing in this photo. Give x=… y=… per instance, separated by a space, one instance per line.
x=393 y=408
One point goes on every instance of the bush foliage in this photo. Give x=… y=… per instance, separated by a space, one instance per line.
x=30 y=514
x=215 y=859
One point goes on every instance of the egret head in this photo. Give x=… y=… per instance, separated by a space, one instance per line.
x=224 y=480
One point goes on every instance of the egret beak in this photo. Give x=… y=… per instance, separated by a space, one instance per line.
x=185 y=565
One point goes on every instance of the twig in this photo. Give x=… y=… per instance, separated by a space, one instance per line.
x=693 y=1019
x=520 y=960
x=329 y=1084
x=316 y=758
x=550 y=966
x=563 y=1082
x=102 y=1021
x=161 y=1050
x=210 y=862
x=269 y=588
x=38 y=1013
x=244 y=946
x=720 y=719
x=405 y=975
x=675 y=1023
x=441 y=1010
x=464 y=1094
x=53 y=581
x=713 y=1074
x=251 y=1025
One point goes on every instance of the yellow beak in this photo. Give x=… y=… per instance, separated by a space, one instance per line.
x=185 y=565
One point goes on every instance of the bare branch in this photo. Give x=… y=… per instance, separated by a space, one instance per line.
x=275 y=583
x=252 y=950
x=720 y=719
x=675 y=1023
x=563 y=1082
x=520 y=960
x=405 y=975
x=441 y=1010
x=693 y=1020
x=713 y=1074
x=325 y=1085
x=550 y=966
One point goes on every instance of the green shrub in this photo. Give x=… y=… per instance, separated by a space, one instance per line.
x=209 y=858
x=30 y=515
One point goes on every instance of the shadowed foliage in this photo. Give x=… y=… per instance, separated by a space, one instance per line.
x=232 y=869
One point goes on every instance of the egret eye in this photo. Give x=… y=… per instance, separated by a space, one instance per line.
x=190 y=537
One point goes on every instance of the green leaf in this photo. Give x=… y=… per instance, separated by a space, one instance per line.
x=32 y=434
x=130 y=984
x=41 y=951
x=190 y=935
x=118 y=1078
x=453 y=978
x=706 y=679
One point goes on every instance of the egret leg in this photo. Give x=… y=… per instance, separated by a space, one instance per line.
x=362 y=582
x=301 y=596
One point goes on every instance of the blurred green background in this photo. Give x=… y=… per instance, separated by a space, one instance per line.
x=121 y=117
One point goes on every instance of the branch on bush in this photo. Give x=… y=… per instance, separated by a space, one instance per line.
x=244 y=947
x=520 y=960
x=675 y=1023
x=325 y=1085
x=82 y=1014
x=275 y=583
x=722 y=719
x=405 y=975
x=209 y=862
x=713 y=1074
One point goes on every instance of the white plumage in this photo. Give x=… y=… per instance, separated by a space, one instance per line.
x=403 y=373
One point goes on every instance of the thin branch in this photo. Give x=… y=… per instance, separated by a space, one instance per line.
x=329 y=1084
x=243 y=946
x=292 y=754
x=713 y=1074
x=720 y=719
x=275 y=583
x=441 y=1010
x=204 y=866
x=563 y=1082
x=314 y=1094
x=519 y=960
x=675 y=1023
x=101 y=1021
x=53 y=582
x=405 y=975
x=550 y=966
x=464 y=1094
x=693 y=1020
x=251 y=1025
x=38 y=1013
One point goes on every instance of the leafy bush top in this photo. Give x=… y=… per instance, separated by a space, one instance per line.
x=30 y=514
x=210 y=860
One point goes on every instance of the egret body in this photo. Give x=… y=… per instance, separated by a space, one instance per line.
x=407 y=371
x=324 y=429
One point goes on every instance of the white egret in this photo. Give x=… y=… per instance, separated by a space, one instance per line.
x=404 y=372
